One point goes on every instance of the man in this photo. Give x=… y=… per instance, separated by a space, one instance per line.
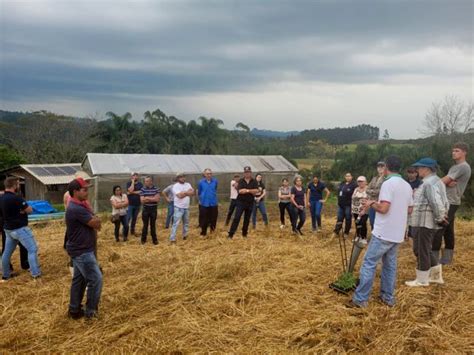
x=373 y=189
x=344 y=204
x=168 y=195
x=412 y=178
x=430 y=209
x=392 y=209
x=207 y=195
x=149 y=197
x=314 y=195
x=182 y=191
x=15 y=212
x=247 y=189
x=134 y=187
x=234 y=183
x=456 y=183
x=81 y=229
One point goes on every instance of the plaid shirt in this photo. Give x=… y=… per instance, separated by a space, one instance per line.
x=430 y=203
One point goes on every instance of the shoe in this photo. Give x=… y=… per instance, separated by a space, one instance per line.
x=12 y=275
x=76 y=315
x=352 y=304
x=300 y=232
x=143 y=242
x=155 y=242
x=36 y=277
x=282 y=226
x=381 y=300
x=185 y=237
x=436 y=274
x=229 y=237
x=125 y=239
x=447 y=257
x=91 y=317
x=422 y=279
x=294 y=232
x=173 y=242
x=244 y=236
x=346 y=235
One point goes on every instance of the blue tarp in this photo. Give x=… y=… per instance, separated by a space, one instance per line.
x=41 y=207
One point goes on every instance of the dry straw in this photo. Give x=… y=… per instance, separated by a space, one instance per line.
x=265 y=294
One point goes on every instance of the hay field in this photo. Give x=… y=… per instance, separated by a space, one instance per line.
x=265 y=294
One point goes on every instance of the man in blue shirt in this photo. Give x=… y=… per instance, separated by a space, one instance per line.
x=134 y=187
x=207 y=195
x=149 y=196
x=315 y=199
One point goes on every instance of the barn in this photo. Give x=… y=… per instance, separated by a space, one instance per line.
x=108 y=170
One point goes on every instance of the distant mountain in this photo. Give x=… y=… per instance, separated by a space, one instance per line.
x=272 y=134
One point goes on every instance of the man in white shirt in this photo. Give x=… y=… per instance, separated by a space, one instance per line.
x=233 y=198
x=182 y=191
x=392 y=209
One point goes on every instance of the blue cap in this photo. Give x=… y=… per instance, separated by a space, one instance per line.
x=427 y=163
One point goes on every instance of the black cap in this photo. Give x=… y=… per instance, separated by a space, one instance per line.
x=247 y=169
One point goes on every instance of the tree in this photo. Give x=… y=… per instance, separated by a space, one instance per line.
x=9 y=157
x=386 y=135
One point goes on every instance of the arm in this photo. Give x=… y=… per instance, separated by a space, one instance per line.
x=131 y=188
x=381 y=207
x=293 y=202
x=448 y=181
x=165 y=195
x=307 y=195
x=326 y=190
x=94 y=223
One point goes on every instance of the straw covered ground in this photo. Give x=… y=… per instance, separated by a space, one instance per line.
x=265 y=294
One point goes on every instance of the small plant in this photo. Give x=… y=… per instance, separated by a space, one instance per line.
x=346 y=282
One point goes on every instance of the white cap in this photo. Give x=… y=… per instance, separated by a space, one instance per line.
x=361 y=178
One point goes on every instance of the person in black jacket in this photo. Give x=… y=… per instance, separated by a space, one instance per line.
x=344 y=201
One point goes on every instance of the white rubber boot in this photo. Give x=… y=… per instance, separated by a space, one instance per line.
x=422 y=279
x=436 y=274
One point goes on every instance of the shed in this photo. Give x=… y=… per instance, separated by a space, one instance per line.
x=108 y=170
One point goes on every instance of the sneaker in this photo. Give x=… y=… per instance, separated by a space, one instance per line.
x=382 y=301
x=36 y=277
x=352 y=304
x=300 y=232
x=12 y=275
x=76 y=315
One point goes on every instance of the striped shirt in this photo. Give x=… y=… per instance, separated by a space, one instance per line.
x=150 y=192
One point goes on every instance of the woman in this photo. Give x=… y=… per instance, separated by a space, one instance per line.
x=314 y=196
x=344 y=203
x=259 y=202
x=360 y=217
x=298 y=203
x=373 y=190
x=284 y=201
x=119 y=202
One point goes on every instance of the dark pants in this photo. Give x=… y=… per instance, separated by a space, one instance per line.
x=285 y=206
x=124 y=222
x=208 y=216
x=25 y=265
x=361 y=226
x=132 y=215
x=422 y=244
x=149 y=215
x=344 y=213
x=447 y=232
x=298 y=216
x=233 y=204
x=246 y=210
x=86 y=274
x=169 y=215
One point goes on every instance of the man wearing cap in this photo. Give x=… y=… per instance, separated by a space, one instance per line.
x=373 y=189
x=149 y=197
x=207 y=195
x=430 y=209
x=15 y=212
x=82 y=227
x=134 y=187
x=182 y=191
x=247 y=189
x=456 y=182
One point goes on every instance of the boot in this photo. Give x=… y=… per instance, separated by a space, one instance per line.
x=447 y=257
x=422 y=279
x=436 y=274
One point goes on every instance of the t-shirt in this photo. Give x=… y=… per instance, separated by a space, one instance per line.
x=299 y=195
x=168 y=191
x=80 y=237
x=134 y=199
x=316 y=191
x=251 y=185
x=357 y=197
x=150 y=192
x=461 y=173
x=345 y=191
x=285 y=191
x=181 y=202
x=415 y=183
x=233 y=191
x=391 y=225
x=261 y=187
x=120 y=211
x=208 y=192
x=11 y=205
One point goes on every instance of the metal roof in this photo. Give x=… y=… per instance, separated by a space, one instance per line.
x=114 y=164
x=51 y=174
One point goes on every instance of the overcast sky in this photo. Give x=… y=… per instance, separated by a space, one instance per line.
x=282 y=65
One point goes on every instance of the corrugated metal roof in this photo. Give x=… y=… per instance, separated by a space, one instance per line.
x=112 y=164
x=47 y=176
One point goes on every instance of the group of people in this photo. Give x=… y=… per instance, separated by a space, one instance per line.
x=424 y=201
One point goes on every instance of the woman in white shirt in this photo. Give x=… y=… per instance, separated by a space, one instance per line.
x=119 y=202
x=359 y=196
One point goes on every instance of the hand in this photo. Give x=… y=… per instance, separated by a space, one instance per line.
x=301 y=207
x=368 y=203
x=308 y=205
x=322 y=201
x=452 y=183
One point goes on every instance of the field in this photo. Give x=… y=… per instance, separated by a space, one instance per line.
x=265 y=294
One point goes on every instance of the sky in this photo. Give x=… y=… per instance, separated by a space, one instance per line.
x=271 y=64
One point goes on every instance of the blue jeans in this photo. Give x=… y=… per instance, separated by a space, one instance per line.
x=316 y=207
x=86 y=274
x=24 y=236
x=132 y=215
x=169 y=215
x=372 y=218
x=178 y=214
x=378 y=249
x=345 y=213
x=263 y=210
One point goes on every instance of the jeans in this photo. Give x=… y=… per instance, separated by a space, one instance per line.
x=123 y=220
x=446 y=232
x=23 y=252
x=86 y=274
x=361 y=226
x=422 y=243
x=344 y=213
x=372 y=218
x=378 y=249
x=208 y=216
x=263 y=210
x=149 y=215
x=316 y=207
x=246 y=210
x=132 y=215
x=178 y=214
x=24 y=236
x=232 y=206
x=169 y=214
x=285 y=206
x=297 y=214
